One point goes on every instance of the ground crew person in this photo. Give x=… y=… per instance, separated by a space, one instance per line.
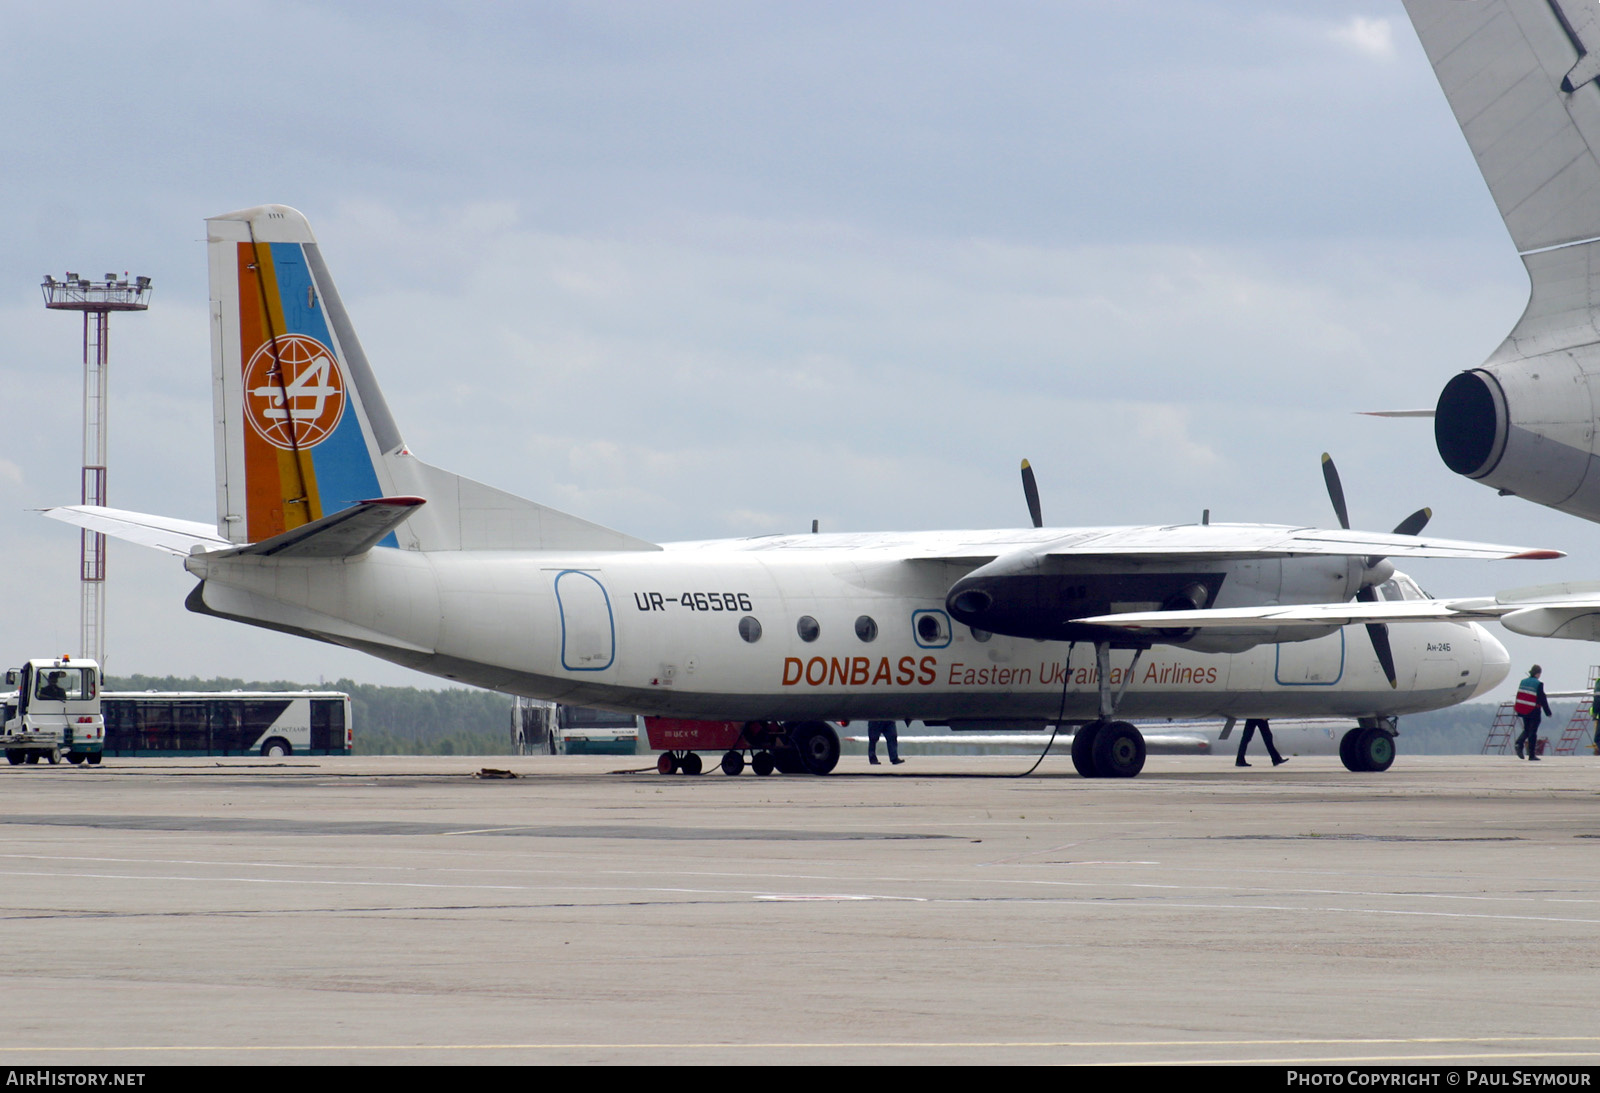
x=1530 y=700
x=1594 y=715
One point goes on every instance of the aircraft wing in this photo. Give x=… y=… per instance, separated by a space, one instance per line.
x=1176 y=541
x=1312 y=615
x=1267 y=541
x=1570 y=610
x=166 y=533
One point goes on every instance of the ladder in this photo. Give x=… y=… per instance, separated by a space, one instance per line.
x=1501 y=732
x=1579 y=732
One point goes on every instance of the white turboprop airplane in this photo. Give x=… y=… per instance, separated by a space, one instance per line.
x=328 y=527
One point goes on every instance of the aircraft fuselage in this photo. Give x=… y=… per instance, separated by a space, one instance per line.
x=713 y=632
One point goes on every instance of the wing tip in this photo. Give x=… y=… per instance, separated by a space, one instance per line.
x=1537 y=554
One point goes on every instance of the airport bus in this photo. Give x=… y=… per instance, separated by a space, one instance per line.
x=556 y=728
x=268 y=723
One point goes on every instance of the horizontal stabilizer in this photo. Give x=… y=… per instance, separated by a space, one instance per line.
x=180 y=537
x=345 y=534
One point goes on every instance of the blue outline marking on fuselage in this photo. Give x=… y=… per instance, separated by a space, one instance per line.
x=611 y=622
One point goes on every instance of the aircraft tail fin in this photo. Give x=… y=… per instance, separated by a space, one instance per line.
x=1520 y=78
x=303 y=432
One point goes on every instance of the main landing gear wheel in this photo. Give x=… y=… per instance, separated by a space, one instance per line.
x=761 y=763
x=75 y=757
x=1372 y=750
x=817 y=745
x=1083 y=749
x=1118 y=750
x=1367 y=751
x=732 y=764
x=1347 y=750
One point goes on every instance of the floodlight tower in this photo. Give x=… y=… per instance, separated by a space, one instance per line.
x=97 y=300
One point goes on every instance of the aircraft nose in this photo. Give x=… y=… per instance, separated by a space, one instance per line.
x=1496 y=662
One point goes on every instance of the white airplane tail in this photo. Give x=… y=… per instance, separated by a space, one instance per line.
x=1520 y=77
x=302 y=430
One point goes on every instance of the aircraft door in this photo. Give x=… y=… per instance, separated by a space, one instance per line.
x=588 y=632
x=1315 y=663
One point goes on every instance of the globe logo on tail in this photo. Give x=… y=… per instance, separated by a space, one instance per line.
x=293 y=392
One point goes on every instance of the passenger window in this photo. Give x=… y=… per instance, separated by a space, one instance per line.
x=750 y=629
x=867 y=628
x=808 y=629
x=932 y=629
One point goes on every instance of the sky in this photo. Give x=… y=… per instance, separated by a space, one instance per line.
x=696 y=269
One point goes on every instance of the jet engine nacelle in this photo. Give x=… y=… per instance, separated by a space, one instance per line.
x=1527 y=427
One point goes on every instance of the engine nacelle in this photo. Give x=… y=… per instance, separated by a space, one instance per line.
x=1527 y=427
x=1037 y=595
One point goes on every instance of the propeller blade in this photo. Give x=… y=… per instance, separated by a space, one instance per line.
x=1330 y=475
x=1413 y=524
x=1030 y=489
x=1379 y=633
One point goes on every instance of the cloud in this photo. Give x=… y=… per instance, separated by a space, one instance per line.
x=1372 y=37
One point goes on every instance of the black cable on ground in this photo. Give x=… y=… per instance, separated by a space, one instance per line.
x=1066 y=677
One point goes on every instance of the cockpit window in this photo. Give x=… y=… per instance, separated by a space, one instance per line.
x=1400 y=587
x=1408 y=587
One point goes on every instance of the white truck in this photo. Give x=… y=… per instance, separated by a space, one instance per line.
x=54 y=714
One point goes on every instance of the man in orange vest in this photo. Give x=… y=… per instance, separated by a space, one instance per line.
x=1530 y=700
